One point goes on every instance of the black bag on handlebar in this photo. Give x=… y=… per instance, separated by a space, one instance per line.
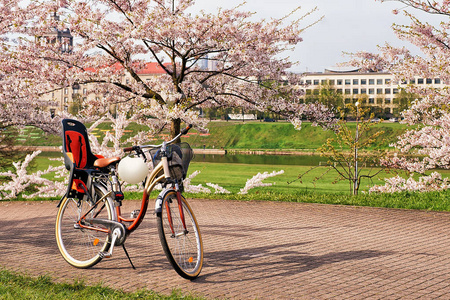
x=178 y=155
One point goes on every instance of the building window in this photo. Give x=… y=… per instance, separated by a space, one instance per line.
x=363 y=91
x=387 y=81
x=412 y=81
x=316 y=92
x=379 y=81
x=339 y=91
x=371 y=101
x=316 y=82
x=66 y=91
x=355 y=81
x=371 y=91
x=429 y=81
x=347 y=91
x=66 y=100
x=437 y=81
x=347 y=81
x=347 y=100
x=363 y=81
x=323 y=82
x=379 y=91
x=339 y=82
x=387 y=101
x=355 y=91
x=308 y=92
x=394 y=91
x=331 y=82
x=387 y=91
x=420 y=81
x=308 y=82
x=84 y=91
x=380 y=101
x=371 y=81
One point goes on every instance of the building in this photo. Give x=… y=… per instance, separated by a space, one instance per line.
x=371 y=89
x=62 y=99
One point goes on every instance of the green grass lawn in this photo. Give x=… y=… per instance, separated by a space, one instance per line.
x=234 y=176
x=15 y=286
x=316 y=186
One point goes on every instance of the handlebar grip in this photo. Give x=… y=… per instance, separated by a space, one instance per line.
x=184 y=131
x=128 y=149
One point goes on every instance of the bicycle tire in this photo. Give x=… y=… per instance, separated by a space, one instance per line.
x=183 y=250
x=81 y=248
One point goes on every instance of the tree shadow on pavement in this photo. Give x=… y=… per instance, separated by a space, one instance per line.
x=273 y=261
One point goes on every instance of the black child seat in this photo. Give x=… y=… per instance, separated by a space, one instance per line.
x=79 y=159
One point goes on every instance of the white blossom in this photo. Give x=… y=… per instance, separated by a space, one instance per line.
x=256 y=181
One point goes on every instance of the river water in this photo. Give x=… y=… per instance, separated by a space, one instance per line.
x=301 y=160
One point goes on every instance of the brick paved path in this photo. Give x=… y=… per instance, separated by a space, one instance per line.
x=260 y=250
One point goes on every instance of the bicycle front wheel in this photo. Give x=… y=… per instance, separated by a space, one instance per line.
x=182 y=244
x=79 y=246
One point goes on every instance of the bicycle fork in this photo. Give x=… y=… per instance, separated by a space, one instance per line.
x=158 y=209
x=181 y=210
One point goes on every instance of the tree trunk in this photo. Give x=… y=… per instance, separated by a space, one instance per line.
x=175 y=128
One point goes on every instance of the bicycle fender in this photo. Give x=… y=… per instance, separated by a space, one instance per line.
x=159 y=199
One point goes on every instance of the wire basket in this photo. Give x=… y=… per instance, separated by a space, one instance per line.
x=178 y=155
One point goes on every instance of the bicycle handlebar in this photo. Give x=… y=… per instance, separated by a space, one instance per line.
x=137 y=148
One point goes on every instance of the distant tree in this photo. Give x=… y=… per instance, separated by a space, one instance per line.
x=404 y=100
x=352 y=159
x=77 y=105
x=10 y=151
x=326 y=94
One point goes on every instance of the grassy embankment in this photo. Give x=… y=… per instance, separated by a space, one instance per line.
x=242 y=136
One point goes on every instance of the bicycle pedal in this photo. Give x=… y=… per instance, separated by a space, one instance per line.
x=105 y=254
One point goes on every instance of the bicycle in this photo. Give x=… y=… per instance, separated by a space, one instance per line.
x=89 y=222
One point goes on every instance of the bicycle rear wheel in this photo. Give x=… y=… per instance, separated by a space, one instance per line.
x=183 y=248
x=81 y=247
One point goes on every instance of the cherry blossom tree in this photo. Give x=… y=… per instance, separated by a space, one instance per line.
x=429 y=139
x=21 y=80
x=114 y=40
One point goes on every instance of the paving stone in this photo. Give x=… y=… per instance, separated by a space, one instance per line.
x=258 y=250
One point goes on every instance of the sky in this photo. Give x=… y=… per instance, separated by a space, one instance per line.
x=347 y=26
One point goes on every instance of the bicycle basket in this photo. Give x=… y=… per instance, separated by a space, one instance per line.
x=178 y=155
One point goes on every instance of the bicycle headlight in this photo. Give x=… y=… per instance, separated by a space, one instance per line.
x=132 y=169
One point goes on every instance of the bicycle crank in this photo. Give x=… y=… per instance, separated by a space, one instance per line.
x=117 y=234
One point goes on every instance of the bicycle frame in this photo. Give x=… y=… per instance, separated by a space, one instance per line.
x=152 y=180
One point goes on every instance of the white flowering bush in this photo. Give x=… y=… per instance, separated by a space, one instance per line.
x=256 y=181
x=433 y=182
x=20 y=180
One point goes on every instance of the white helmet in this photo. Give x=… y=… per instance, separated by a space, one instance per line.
x=132 y=169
